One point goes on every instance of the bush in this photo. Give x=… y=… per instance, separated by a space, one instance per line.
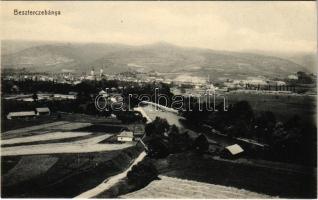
x=142 y=174
x=201 y=144
x=179 y=142
x=158 y=148
x=129 y=117
x=157 y=128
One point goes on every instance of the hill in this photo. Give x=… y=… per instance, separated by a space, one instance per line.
x=161 y=57
x=307 y=59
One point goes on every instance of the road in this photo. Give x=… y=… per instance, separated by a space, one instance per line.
x=151 y=113
x=109 y=182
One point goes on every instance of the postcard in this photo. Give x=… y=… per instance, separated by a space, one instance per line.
x=159 y=99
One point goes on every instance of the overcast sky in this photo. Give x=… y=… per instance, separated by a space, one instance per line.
x=269 y=26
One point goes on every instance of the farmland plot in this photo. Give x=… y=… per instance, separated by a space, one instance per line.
x=26 y=131
x=44 y=128
x=87 y=145
x=70 y=126
x=36 y=176
x=169 y=187
x=44 y=137
x=29 y=167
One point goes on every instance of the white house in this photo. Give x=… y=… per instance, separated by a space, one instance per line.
x=22 y=114
x=279 y=83
x=125 y=136
x=43 y=111
x=113 y=116
x=292 y=77
x=234 y=149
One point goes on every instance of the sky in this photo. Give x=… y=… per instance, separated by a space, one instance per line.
x=233 y=26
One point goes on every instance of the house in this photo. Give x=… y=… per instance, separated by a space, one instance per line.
x=43 y=111
x=103 y=93
x=113 y=116
x=113 y=89
x=125 y=136
x=23 y=114
x=232 y=151
x=139 y=130
x=292 y=77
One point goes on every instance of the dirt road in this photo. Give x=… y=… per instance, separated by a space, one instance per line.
x=108 y=183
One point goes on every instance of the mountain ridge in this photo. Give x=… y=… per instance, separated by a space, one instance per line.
x=161 y=56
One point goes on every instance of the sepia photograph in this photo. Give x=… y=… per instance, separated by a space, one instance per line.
x=159 y=99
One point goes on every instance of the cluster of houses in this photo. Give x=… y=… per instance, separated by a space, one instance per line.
x=29 y=114
x=124 y=136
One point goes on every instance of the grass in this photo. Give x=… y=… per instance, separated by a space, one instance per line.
x=283 y=106
x=7 y=125
x=28 y=167
x=71 y=175
x=168 y=187
x=62 y=140
x=13 y=124
x=267 y=178
x=101 y=128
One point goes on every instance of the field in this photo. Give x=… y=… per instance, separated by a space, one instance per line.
x=175 y=188
x=43 y=137
x=277 y=179
x=8 y=125
x=63 y=158
x=12 y=125
x=69 y=157
x=61 y=175
x=283 y=106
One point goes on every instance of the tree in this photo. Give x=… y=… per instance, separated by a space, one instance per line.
x=239 y=128
x=293 y=122
x=304 y=78
x=201 y=144
x=157 y=128
x=143 y=173
x=15 y=89
x=179 y=142
x=158 y=147
x=242 y=110
x=264 y=125
x=129 y=116
x=279 y=133
x=35 y=97
x=173 y=129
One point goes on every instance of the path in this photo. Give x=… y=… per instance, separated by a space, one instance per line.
x=109 y=182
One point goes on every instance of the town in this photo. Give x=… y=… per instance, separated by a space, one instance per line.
x=65 y=100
